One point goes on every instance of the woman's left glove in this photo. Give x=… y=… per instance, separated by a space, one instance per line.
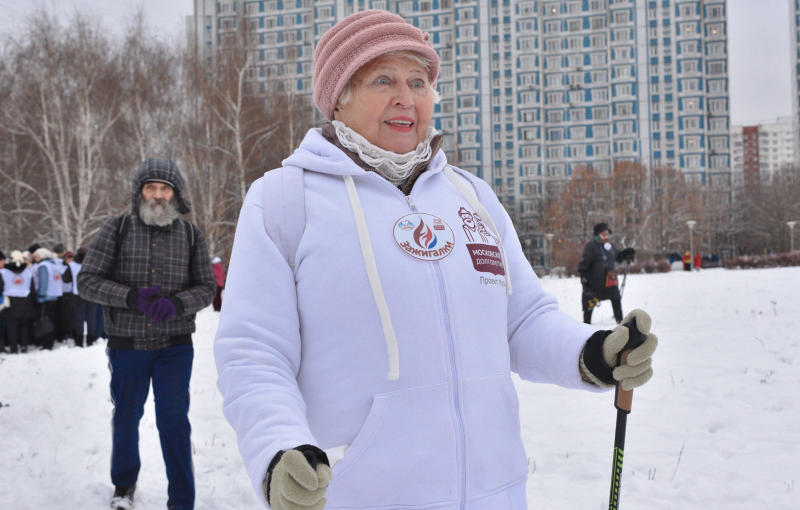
x=600 y=359
x=297 y=479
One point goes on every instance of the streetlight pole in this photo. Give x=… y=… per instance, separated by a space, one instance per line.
x=549 y=261
x=791 y=225
x=691 y=224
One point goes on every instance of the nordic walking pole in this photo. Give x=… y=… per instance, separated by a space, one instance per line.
x=624 y=278
x=622 y=401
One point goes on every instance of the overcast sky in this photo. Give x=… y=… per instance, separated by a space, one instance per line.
x=758 y=36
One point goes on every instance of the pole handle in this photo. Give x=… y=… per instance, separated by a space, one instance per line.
x=623 y=399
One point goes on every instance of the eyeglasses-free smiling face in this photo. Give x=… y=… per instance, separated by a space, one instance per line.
x=391 y=104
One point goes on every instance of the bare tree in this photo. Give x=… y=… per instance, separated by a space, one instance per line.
x=628 y=204
x=765 y=212
x=64 y=100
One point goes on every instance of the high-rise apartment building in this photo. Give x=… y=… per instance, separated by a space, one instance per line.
x=794 y=23
x=759 y=151
x=533 y=89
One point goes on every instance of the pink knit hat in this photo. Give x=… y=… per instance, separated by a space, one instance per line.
x=356 y=40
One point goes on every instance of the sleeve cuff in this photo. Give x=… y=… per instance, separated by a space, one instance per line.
x=130 y=299
x=179 y=309
x=592 y=364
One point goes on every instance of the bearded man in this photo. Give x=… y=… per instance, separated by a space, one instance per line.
x=151 y=272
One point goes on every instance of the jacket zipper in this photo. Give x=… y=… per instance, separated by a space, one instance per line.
x=454 y=371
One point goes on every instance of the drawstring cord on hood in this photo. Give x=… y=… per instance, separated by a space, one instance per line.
x=472 y=199
x=374 y=280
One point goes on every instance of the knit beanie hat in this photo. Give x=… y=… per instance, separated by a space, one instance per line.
x=601 y=227
x=358 y=39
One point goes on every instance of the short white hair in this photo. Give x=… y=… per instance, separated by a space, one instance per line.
x=43 y=253
x=347 y=92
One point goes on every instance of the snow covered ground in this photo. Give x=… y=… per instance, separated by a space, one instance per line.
x=718 y=427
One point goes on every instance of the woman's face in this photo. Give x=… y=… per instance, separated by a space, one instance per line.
x=391 y=104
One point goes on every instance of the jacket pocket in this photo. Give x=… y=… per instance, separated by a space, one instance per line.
x=495 y=453
x=404 y=456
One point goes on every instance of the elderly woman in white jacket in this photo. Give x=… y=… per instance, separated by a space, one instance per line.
x=389 y=330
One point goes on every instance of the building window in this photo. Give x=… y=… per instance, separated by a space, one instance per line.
x=716 y=67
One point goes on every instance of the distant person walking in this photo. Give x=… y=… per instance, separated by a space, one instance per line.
x=150 y=271
x=597 y=269
x=687 y=261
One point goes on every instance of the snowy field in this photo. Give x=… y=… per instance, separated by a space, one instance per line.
x=718 y=427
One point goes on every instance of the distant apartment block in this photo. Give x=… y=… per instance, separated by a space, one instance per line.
x=794 y=21
x=758 y=151
x=534 y=89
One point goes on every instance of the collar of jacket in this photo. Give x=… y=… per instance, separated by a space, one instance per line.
x=14 y=268
x=329 y=132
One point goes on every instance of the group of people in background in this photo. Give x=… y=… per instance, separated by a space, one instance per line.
x=39 y=300
x=40 y=303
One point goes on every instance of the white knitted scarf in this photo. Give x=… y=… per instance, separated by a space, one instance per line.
x=394 y=167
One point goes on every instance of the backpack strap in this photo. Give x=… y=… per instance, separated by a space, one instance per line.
x=284 y=207
x=123 y=224
x=189 y=227
x=473 y=197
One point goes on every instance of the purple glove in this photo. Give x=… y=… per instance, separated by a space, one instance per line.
x=162 y=309
x=145 y=296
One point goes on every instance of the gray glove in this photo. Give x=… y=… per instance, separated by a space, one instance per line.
x=295 y=485
x=600 y=362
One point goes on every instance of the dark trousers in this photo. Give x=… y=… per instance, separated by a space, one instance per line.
x=218 y=299
x=170 y=370
x=99 y=326
x=589 y=302
x=65 y=317
x=46 y=309
x=85 y=313
x=18 y=334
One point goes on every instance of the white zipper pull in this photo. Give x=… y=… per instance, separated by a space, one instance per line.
x=411 y=203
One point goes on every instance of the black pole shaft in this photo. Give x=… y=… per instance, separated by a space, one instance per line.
x=623 y=400
x=619 y=451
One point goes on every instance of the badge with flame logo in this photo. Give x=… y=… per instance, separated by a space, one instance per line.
x=431 y=239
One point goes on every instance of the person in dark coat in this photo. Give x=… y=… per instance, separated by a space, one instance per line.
x=219 y=278
x=151 y=272
x=85 y=311
x=597 y=269
x=65 y=305
x=16 y=284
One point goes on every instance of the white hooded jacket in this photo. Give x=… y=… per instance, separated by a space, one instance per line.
x=303 y=356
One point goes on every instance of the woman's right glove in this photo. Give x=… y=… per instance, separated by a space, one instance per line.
x=600 y=363
x=297 y=479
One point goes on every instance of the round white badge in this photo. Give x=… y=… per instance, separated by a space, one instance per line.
x=424 y=236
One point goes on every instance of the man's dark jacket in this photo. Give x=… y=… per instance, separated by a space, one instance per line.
x=148 y=256
x=592 y=269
